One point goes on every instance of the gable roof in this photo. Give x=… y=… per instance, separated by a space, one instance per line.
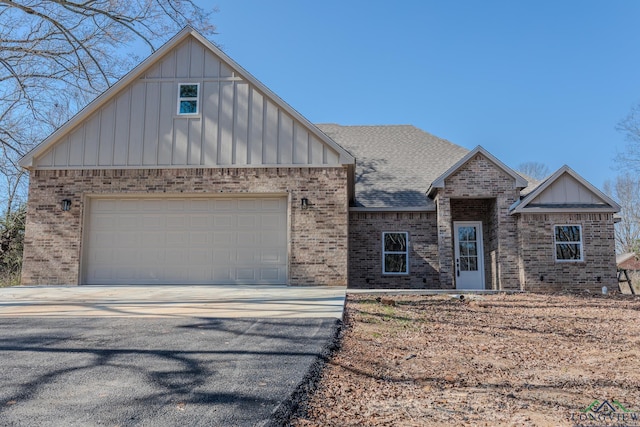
x=520 y=182
x=565 y=191
x=342 y=156
x=394 y=163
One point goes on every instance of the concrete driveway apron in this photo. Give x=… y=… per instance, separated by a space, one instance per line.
x=160 y=356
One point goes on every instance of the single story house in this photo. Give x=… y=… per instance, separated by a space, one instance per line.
x=191 y=171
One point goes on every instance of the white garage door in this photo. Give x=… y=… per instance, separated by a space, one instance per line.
x=186 y=241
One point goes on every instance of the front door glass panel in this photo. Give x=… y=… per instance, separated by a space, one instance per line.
x=468 y=248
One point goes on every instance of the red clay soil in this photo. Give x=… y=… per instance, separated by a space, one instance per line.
x=495 y=360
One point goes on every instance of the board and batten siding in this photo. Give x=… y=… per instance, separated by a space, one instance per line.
x=237 y=124
x=567 y=189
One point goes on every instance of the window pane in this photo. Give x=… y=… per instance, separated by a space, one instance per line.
x=473 y=264
x=472 y=246
x=466 y=234
x=568 y=251
x=395 y=263
x=567 y=233
x=188 y=107
x=188 y=91
x=464 y=264
x=463 y=248
x=395 y=242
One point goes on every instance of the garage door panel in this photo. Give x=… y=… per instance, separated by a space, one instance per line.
x=126 y=257
x=186 y=240
x=269 y=274
x=176 y=257
x=222 y=275
x=129 y=205
x=222 y=205
x=250 y=205
x=223 y=237
x=104 y=222
x=199 y=239
x=246 y=274
x=177 y=239
x=199 y=205
x=247 y=221
x=151 y=239
x=176 y=221
x=128 y=221
x=270 y=205
x=222 y=221
x=245 y=256
x=246 y=239
x=270 y=258
x=128 y=240
x=199 y=222
x=152 y=221
x=175 y=205
x=199 y=257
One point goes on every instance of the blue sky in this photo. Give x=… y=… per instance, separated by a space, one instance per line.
x=542 y=81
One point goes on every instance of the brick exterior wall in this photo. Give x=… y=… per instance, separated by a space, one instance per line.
x=541 y=272
x=480 y=178
x=365 y=250
x=318 y=236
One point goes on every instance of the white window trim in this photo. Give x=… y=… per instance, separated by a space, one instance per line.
x=406 y=254
x=196 y=98
x=579 y=243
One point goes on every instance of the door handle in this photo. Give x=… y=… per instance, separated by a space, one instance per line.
x=458 y=267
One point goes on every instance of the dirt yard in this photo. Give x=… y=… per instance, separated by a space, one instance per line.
x=495 y=360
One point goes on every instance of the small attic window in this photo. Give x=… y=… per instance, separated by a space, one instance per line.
x=188 y=95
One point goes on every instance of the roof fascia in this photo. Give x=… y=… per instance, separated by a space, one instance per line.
x=27 y=160
x=520 y=182
x=614 y=207
x=392 y=209
x=565 y=210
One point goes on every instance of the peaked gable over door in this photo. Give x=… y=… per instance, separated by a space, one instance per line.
x=136 y=123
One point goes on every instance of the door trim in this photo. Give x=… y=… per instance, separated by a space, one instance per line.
x=480 y=240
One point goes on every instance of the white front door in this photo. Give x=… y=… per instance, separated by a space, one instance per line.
x=469 y=262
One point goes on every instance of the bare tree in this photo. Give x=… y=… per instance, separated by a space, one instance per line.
x=629 y=159
x=57 y=55
x=626 y=190
x=63 y=53
x=534 y=170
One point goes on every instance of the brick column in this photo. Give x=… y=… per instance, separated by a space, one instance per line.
x=445 y=241
x=508 y=248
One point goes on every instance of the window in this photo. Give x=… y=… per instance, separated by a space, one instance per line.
x=188 y=98
x=395 y=253
x=568 y=242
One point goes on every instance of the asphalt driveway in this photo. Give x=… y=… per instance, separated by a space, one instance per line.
x=161 y=370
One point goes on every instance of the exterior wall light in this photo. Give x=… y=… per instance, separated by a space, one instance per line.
x=304 y=203
x=65 y=204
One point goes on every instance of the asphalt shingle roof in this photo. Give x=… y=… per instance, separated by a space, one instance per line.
x=395 y=164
